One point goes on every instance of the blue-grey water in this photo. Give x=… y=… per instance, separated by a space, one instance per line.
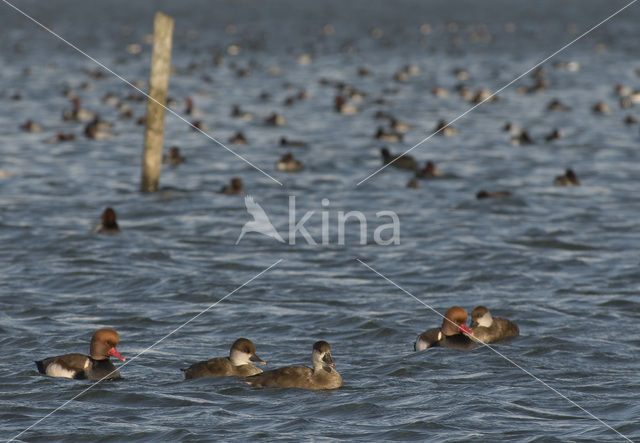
x=560 y=262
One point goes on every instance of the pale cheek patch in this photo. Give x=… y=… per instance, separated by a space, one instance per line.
x=55 y=370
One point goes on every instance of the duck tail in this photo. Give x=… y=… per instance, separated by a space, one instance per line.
x=40 y=365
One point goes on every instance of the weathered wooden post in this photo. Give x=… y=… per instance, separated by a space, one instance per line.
x=158 y=86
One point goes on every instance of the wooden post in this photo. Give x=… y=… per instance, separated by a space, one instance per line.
x=158 y=85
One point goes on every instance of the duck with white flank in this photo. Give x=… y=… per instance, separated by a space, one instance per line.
x=95 y=366
x=289 y=163
x=442 y=128
x=322 y=376
x=453 y=334
x=238 y=139
x=388 y=136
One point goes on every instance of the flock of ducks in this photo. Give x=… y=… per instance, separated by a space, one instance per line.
x=454 y=333
x=346 y=99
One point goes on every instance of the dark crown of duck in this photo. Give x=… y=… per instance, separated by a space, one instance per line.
x=244 y=345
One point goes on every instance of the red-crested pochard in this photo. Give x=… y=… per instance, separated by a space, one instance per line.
x=452 y=334
x=95 y=366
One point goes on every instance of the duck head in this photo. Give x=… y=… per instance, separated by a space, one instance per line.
x=103 y=345
x=455 y=321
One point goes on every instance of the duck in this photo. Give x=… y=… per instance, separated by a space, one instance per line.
x=557 y=105
x=554 y=135
x=630 y=120
x=626 y=102
x=443 y=129
x=77 y=113
x=401 y=76
x=241 y=354
x=487 y=329
x=404 y=74
x=109 y=224
x=568 y=179
x=440 y=92
x=412 y=70
x=511 y=128
x=464 y=92
x=95 y=366
x=173 y=158
x=571 y=66
x=290 y=100
x=461 y=74
x=492 y=194
x=429 y=171
x=343 y=107
x=601 y=108
x=284 y=141
x=355 y=95
x=322 y=376
x=539 y=84
x=31 y=126
x=522 y=139
x=622 y=90
x=238 y=139
x=454 y=333
x=61 y=137
x=239 y=113
x=198 y=125
x=399 y=126
x=126 y=112
x=111 y=99
x=364 y=72
x=97 y=129
x=289 y=163
x=413 y=184
x=483 y=95
x=275 y=119
x=391 y=137
x=189 y=107
x=233 y=188
x=398 y=161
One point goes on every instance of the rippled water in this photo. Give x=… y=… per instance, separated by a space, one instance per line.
x=561 y=262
